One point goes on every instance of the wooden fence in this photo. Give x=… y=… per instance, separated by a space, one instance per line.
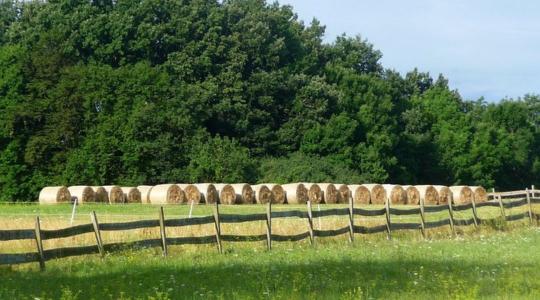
x=503 y=201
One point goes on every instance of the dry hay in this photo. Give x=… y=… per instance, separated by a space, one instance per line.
x=244 y=193
x=461 y=194
x=445 y=194
x=193 y=195
x=296 y=193
x=83 y=193
x=480 y=194
x=131 y=195
x=226 y=192
x=330 y=193
x=167 y=194
x=278 y=194
x=413 y=194
x=100 y=194
x=360 y=194
x=395 y=193
x=344 y=194
x=263 y=194
x=115 y=193
x=428 y=194
x=315 y=193
x=54 y=194
x=209 y=193
x=145 y=193
x=377 y=193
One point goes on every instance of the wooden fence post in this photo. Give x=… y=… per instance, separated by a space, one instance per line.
x=388 y=221
x=217 y=225
x=97 y=233
x=162 y=231
x=351 y=220
x=422 y=218
x=530 y=207
x=310 y=224
x=501 y=205
x=39 y=244
x=269 y=225
x=451 y=215
x=475 y=215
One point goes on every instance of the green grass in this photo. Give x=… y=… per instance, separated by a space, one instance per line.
x=501 y=260
x=499 y=265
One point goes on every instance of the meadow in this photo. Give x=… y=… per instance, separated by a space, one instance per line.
x=500 y=260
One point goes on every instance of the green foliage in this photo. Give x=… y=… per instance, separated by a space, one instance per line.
x=216 y=159
x=299 y=167
x=133 y=92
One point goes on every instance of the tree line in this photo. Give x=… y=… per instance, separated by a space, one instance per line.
x=152 y=91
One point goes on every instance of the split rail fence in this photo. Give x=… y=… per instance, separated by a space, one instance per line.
x=503 y=201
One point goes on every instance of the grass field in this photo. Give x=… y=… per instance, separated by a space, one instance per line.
x=502 y=262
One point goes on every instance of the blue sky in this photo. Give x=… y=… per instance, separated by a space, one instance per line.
x=485 y=48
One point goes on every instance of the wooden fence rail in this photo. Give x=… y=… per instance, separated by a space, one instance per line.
x=42 y=255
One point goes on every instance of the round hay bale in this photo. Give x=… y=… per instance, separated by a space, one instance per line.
x=54 y=194
x=461 y=194
x=278 y=194
x=192 y=193
x=480 y=194
x=315 y=193
x=296 y=193
x=84 y=194
x=263 y=194
x=167 y=194
x=445 y=194
x=209 y=193
x=330 y=193
x=145 y=193
x=344 y=193
x=131 y=195
x=428 y=194
x=413 y=195
x=377 y=193
x=100 y=194
x=244 y=193
x=360 y=194
x=115 y=193
x=227 y=195
x=395 y=193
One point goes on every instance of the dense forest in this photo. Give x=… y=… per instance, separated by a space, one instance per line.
x=155 y=91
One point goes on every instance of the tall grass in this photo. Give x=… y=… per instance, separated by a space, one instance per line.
x=502 y=264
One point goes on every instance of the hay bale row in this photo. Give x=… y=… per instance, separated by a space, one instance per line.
x=413 y=195
x=242 y=193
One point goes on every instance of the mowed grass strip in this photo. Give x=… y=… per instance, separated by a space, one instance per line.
x=502 y=264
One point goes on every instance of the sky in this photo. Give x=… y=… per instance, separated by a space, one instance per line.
x=485 y=48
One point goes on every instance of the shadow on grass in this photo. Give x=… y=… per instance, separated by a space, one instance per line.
x=232 y=277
